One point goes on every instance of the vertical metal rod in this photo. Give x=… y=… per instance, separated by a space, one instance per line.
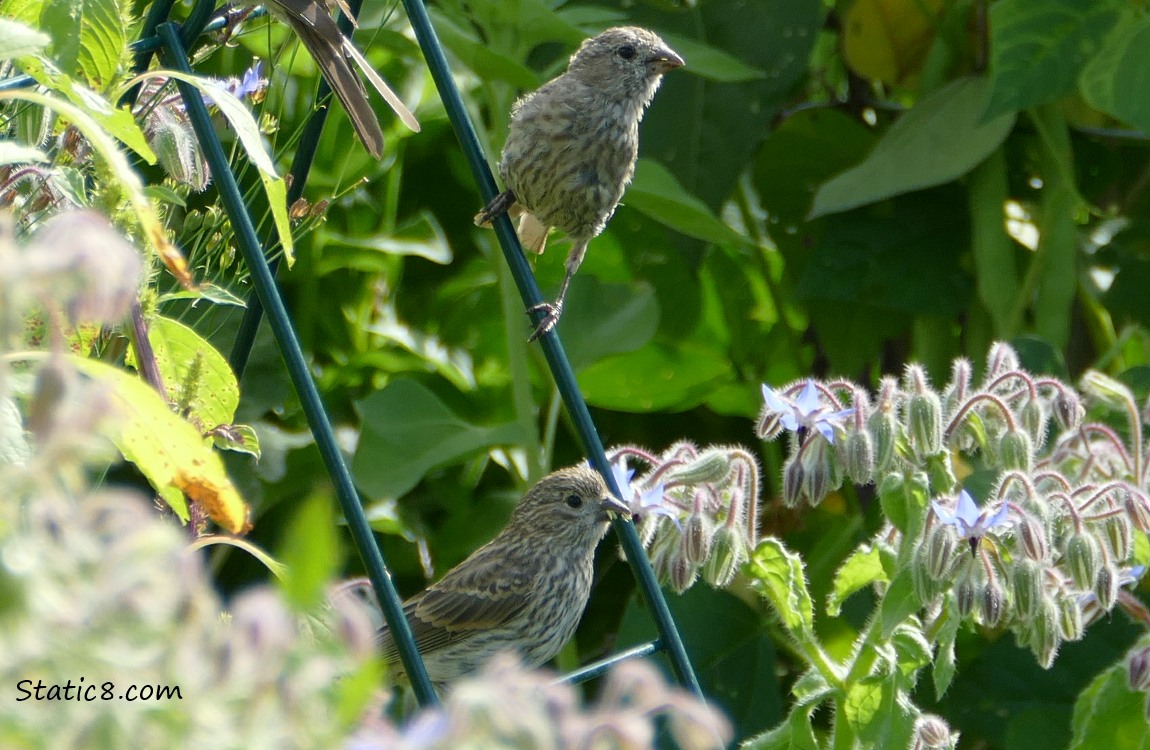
x=552 y=348
x=175 y=56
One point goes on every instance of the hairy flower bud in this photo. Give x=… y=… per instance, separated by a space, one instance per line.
x=1016 y=451
x=696 y=543
x=683 y=574
x=992 y=606
x=793 y=482
x=1107 y=390
x=1139 y=670
x=966 y=595
x=882 y=427
x=856 y=451
x=728 y=552
x=1032 y=538
x=1034 y=417
x=1026 y=583
x=1070 y=622
x=1001 y=359
x=1119 y=536
x=1068 y=412
x=770 y=425
x=939 y=554
x=931 y=732
x=926 y=587
x=711 y=467
x=817 y=472
x=1045 y=636
x=1106 y=587
x=924 y=422
x=1137 y=510
x=1083 y=559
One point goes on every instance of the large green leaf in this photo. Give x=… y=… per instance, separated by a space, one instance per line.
x=1117 y=79
x=1038 y=48
x=777 y=573
x=656 y=193
x=601 y=320
x=658 y=377
x=863 y=568
x=942 y=136
x=88 y=36
x=407 y=431
x=1109 y=714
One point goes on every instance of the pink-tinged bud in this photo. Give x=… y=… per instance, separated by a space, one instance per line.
x=1032 y=538
x=1068 y=411
x=1034 y=418
x=1016 y=451
x=882 y=427
x=793 y=482
x=1026 y=583
x=174 y=142
x=1138 y=510
x=939 y=552
x=1139 y=670
x=728 y=552
x=770 y=425
x=1001 y=359
x=817 y=472
x=1070 y=623
x=993 y=605
x=1107 y=390
x=1083 y=559
x=958 y=389
x=712 y=467
x=931 y=732
x=966 y=596
x=924 y=422
x=683 y=574
x=1106 y=587
x=1119 y=536
x=696 y=544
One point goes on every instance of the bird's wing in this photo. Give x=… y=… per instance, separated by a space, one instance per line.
x=484 y=592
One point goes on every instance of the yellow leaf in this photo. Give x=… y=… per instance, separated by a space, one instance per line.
x=888 y=40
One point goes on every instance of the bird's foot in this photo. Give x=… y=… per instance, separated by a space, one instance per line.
x=551 y=311
x=498 y=205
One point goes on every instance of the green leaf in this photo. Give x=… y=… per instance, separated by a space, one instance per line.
x=198 y=379
x=656 y=193
x=993 y=249
x=408 y=431
x=657 y=377
x=240 y=438
x=601 y=320
x=945 y=664
x=861 y=569
x=1038 y=48
x=87 y=36
x=240 y=119
x=311 y=553
x=796 y=733
x=485 y=62
x=18 y=40
x=423 y=237
x=711 y=62
x=948 y=117
x=1108 y=714
x=899 y=602
x=1057 y=284
x=777 y=574
x=880 y=712
x=1117 y=78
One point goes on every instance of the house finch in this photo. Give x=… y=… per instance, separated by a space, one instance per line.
x=524 y=590
x=571 y=146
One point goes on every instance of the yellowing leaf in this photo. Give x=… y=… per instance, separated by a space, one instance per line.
x=167 y=449
x=888 y=40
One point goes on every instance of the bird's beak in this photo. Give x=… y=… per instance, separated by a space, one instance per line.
x=664 y=60
x=612 y=504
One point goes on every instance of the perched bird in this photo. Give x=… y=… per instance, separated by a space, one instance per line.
x=312 y=22
x=571 y=146
x=524 y=590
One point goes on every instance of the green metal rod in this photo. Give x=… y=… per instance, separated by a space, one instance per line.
x=591 y=671
x=552 y=348
x=175 y=56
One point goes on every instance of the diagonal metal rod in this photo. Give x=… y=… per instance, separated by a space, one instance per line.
x=175 y=56
x=552 y=348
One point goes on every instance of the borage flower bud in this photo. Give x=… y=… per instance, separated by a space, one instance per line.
x=1107 y=390
x=856 y=451
x=882 y=427
x=696 y=543
x=1034 y=417
x=712 y=467
x=924 y=422
x=1070 y=622
x=1137 y=510
x=992 y=607
x=939 y=552
x=966 y=595
x=1106 y=587
x=1032 y=538
x=728 y=552
x=926 y=586
x=931 y=732
x=1001 y=359
x=1139 y=670
x=817 y=470
x=1083 y=558
x=1044 y=634
x=1119 y=536
x=793 y=482
x=1068 y=411
x=1026 y=583
x=683 y=574
x=1016 y=451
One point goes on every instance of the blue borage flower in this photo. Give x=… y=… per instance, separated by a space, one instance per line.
x=970 y=523
x=805 y=412
x=642 y=503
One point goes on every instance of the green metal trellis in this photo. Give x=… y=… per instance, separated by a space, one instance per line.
x=172 y=41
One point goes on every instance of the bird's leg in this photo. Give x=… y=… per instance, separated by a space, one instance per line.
x=498 y=205
x=554 y=309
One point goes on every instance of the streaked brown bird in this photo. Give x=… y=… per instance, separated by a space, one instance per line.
x=333 y=54
x=524 y=590
x=571 y=146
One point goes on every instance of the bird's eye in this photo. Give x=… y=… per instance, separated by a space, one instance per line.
x=574 y=501
x=627 y=52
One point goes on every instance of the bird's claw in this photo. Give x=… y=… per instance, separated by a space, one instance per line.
x=548 y=321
